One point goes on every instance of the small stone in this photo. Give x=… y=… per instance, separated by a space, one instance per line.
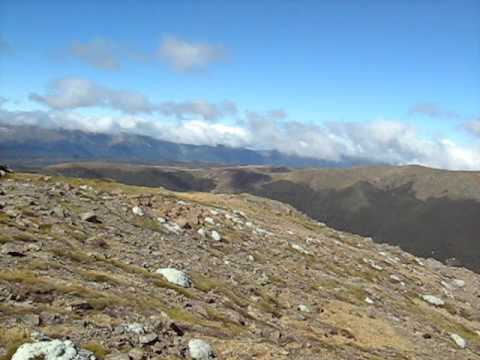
x=136 y=354
x=90 y=217
x=215 y=235
x=369 y=301
x=31 y=320
x=137 y=210
x=303 y=308
x=395 y=278
x=135 y=328
x=161 y=220
x=461 y=342
x=201 y=232
x=148 y=339
x=59 y=212
x=200 y=350
x=173 y=228
x=299 y=248
x=209 y=220
x=458 y=283
x=176 y=277
x=117 y=356
x=433 y=300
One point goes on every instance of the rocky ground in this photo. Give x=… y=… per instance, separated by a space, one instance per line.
x=98 y=269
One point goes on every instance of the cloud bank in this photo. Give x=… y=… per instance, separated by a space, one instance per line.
x=382 y=141
x=200 y=122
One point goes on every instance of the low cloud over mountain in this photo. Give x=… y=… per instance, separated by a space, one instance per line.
x=200 y=122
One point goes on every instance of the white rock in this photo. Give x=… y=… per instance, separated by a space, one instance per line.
x=215 y=236
x=369 y=301
x=461 y=342
x=251 y=258
x=137 y=210
x=52 y=350
x=209 y=220
x=299 y=248
x=395 y=278
x=458 y=283
x=135 y=328
x=173 y=228
x=433 y=300
x=200 y=350
x=161 y=220
x=261 y=231
x=418 y=261
x=201 y=232
x=303 y=308
x=175 y=276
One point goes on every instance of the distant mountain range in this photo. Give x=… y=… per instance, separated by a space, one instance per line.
x=428 y=212
x=31 y=146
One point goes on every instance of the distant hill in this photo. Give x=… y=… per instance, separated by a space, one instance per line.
x=33 y=146
x=427 y=212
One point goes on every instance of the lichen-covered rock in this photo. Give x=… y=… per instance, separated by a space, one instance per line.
x=52 y=350
x=200 y=350
x=175 y=276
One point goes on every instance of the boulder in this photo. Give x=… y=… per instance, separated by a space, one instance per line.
x=52 y=350
x=175 y=276
x=200 y=350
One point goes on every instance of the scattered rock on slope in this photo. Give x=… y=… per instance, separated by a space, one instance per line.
x=52 y=350
x=176 y=277
x=200 y=350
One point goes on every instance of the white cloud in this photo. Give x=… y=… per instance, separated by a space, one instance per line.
x=185 y=56
x=99 y=52
x=74 y=93
x=205 y=109
x=432 y=110
x=473 y=126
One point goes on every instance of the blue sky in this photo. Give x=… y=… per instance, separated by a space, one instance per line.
x=415 y=63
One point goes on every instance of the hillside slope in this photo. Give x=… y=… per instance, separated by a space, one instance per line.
x=79 y=261
x=427 y=212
